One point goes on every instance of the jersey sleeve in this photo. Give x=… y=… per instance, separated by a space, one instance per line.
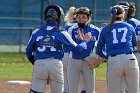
x=31 y=44
x=134 y=37
x=101 y=45
x=66 y=39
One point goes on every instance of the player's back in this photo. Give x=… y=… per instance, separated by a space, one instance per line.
x=120 y=39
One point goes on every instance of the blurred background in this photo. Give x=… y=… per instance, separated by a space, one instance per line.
x=19 y=17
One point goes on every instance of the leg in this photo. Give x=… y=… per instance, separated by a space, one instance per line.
x=123 y=86
x=73 y=75
x=82 y=83
x=39 y=77
x=38 y=85
x=138 y=59
x=114 y=74
x=132 y=74
x=56 y=76
x=65 y=65
x=94 y=79
x=88 y=78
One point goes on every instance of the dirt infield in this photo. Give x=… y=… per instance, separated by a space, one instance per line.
x=8 y=88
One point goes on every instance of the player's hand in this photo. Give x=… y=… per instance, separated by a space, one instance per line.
x=88 y=36
x=80 y=34
x=31 y=59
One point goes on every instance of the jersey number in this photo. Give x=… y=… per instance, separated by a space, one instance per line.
x=123 y=38
x=43 y=48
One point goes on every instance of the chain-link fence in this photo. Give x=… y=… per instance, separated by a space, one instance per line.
x=18 y=17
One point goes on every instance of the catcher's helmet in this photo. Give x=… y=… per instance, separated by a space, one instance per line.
x=53 y=13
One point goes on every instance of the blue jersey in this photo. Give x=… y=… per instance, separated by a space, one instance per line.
x=70 y=25
x=121 y=39
x=47 y=43
x=135 y=23
x=67 y=28
x=90 y=45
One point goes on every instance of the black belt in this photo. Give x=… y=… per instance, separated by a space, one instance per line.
x=123 y=53
x=137 y=51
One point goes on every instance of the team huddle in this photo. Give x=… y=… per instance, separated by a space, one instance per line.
x=58 y=53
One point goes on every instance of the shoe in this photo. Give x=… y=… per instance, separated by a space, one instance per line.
x=83 y=91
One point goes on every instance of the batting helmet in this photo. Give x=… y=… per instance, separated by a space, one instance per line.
x=54 y=14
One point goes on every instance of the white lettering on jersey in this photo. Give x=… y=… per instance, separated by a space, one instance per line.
x=40 y=49
x=49 y=28
x=39 y=37
x=43 y=47
x=123 y=39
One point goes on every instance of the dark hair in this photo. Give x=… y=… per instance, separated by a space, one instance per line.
x=131 y=10
x=124 y=3
x=84 y=10
x=115 y=12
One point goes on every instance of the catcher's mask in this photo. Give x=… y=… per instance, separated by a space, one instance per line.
x=54 y=14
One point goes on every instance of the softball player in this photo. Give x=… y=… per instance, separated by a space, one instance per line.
x=45 y=47
x=70 y=18
x=77 y=65
x=130 y=13
x=120 y=38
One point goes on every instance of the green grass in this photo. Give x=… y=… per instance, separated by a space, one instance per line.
x=101 y=72
x=12 y=66
x=15 y=71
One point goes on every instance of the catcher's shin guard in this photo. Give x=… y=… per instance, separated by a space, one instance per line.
x=32 y=91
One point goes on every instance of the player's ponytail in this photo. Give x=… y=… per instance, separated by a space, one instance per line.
x=116 y=14
x=70 y=15
x=131 y=10
x=113 y=17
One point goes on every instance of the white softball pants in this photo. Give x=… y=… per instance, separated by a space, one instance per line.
x=48 y=68
x=123 y=84
x=138 y=58
x=65 y=61
x=120 y=66
x=75 y=67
